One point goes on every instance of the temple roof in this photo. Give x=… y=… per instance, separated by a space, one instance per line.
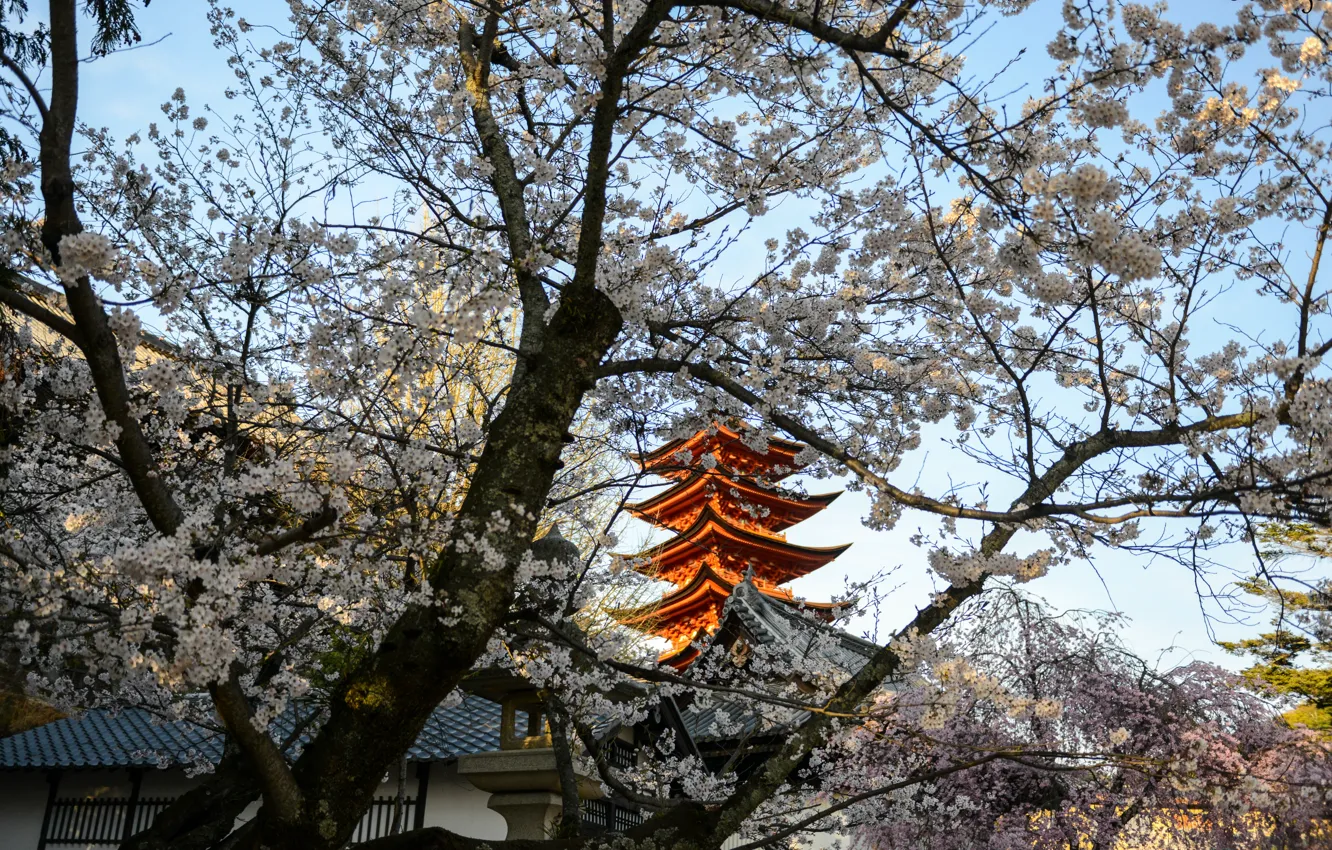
x=706 y=587
x=785 y=628
x=737 y=549
x=677 y=507
x=708 y=584
x=683 y=616
x=728 y=521
x=136 y=737
x=789 y=638
x=690 y=613
x=727 y=446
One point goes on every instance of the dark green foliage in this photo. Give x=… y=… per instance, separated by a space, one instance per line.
x=115 y=27
x=24 y=48
x=115 y=24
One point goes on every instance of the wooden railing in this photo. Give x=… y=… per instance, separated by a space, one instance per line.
x=605 y=816
x=379 y=820
x=102 y=821
x=99 y=821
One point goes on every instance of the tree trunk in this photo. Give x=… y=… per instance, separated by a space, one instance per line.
x=398 y=799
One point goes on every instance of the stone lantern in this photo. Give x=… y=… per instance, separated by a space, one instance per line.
x=521 y=775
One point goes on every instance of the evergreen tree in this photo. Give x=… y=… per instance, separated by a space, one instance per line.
x=1295 y=657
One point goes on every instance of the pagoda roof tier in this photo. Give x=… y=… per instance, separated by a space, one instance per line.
x=731 y=496
x=682 y=657
x=736 y=549
x=670 y=616
x=727 y=446
x=688 y=612
x=705 y=583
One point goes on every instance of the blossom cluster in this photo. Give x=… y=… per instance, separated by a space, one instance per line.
x=1008 y=316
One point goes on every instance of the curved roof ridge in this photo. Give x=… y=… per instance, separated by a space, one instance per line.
x=776 y=622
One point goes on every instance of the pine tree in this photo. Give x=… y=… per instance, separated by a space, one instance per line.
x=1295 y=657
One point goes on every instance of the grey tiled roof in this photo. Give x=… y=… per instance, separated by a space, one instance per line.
x=782 y=628
x=787 y=635
x=130 y=737
x=728 y=717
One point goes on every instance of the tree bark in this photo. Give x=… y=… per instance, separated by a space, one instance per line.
x=205 y=814
x=399 y=798
x=571 y=820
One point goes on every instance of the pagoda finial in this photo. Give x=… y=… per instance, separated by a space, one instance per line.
x=555 y=547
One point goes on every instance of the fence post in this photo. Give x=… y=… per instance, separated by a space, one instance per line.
x=53 y=779
x=136 y=779
x=422 y=784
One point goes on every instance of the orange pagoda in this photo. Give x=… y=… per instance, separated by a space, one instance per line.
x=729 y=520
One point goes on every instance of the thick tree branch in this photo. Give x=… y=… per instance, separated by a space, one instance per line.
x=604 y=119
x=779 y=767
x=206 y=814
x=571 y=819
x=877 y=43
x=17 y=301
x=847 y=802
x=661 y=676
x=1075 y=455
x=302 y=532
x=33 y=92
x=504 y=179
x=281 y=793
x=94 y=336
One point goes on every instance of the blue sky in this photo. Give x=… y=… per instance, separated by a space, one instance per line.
x=123 y=92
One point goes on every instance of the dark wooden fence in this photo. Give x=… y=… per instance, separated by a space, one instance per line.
x=102 y=821
x=99 y=821
x=379 y=820
x=605 y=816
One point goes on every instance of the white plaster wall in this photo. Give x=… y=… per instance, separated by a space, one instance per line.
x=451 y=801
x=169 y=782
x=156 y=782
x=457 y=805
x=247 y=814
x=23 y=796
x=22 y=803
x=93 y=784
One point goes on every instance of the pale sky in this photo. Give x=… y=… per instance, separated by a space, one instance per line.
x=123 y=93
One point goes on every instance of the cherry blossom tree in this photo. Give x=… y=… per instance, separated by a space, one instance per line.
x=597 y=226
x=1044 y=731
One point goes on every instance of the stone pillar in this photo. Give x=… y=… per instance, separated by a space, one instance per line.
x=524 y=788
x=530 y=814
